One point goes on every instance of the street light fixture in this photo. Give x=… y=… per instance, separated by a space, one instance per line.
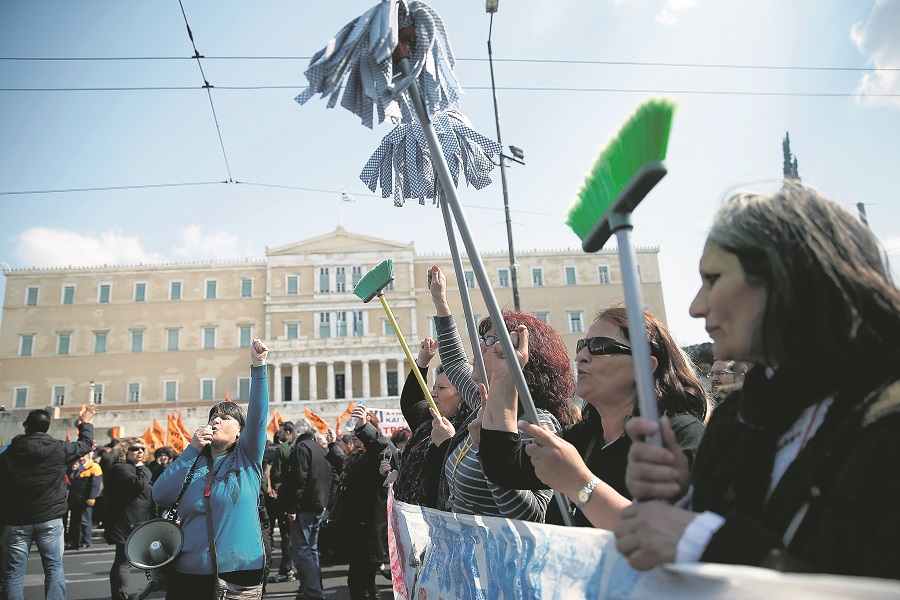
x=491 y=7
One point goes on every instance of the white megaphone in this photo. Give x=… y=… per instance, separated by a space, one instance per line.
x=154 y=544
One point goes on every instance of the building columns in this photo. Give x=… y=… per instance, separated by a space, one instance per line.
x=366 y=387
x=348 y=380
x=295 y=382
x=313 y=382
x=382 y=373
x=329 y=382
x=276 y=384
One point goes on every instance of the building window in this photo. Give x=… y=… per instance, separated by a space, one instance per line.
x=293 y=285
x=173 y=339
x=171 y=391
x=137 y=341
x=207 y=389
x=470 y=279
x=68 y=294
x=570 y=276
x=575 y=324
x=392 y=383
x=100 y=342
x=340 y=322
x=244 y=388
x=323 y=279
x=244 y=336
x=292 y=331
x=103 y=294
x=246 y=287
x=140 y=292
x=59 y=395
x=31 y=296
x=503 y=278
x=603 y=274
x=26 y=345
x=324 y=325
x=358 y=328
x=640 y=273
x=356 y=275
x=542 y=316
x=390 y=286
x=340 y=280
x=63 y=342
x=98 y=392
x=209 y=338
x=174 y=290
x=211 y=288
x=387 y=327
x=21 y=397
x=537 y=276
x=134 y=392
x=432 y=329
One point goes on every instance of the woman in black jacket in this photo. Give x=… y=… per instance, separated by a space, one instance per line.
x=128 y=503
x=362 y=507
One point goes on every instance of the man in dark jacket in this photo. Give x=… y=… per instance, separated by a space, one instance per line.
x=127 y=503
x=33 y=501
x=304 y=495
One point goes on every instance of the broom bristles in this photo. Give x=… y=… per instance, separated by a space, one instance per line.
x=643 y=138
x=375 y=280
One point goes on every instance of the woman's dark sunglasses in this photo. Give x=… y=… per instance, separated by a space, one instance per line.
x=136 y=449
x=599 y=346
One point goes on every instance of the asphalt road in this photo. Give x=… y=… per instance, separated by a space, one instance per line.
x=87 y=576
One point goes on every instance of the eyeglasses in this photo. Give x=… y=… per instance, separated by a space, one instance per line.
x=719 y=374
x=136 y=449
x=599 y=346
x=490 y=340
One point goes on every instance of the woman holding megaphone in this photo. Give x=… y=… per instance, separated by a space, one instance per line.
x=219 y=475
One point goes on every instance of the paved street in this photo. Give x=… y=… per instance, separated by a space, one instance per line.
x=87 y=576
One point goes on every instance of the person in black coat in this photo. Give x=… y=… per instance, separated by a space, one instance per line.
x=303 y=494
x=127 y=503
x=362 y=509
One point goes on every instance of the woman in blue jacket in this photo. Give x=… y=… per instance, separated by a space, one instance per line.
x=232 y=447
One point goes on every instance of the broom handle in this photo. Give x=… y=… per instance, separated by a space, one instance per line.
x=640 y=345
x=443 y=172
x=409 y=356
x=463 y=289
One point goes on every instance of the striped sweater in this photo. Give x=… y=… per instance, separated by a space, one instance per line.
x=463 y=487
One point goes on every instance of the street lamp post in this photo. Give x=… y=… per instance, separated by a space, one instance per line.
x=491 y=7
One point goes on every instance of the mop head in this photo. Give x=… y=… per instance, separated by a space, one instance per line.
x=375 y=280
x=639 y=146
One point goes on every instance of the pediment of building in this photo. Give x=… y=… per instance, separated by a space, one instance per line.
x=338 y=241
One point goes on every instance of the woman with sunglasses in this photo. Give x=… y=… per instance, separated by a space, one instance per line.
x=798 y=470
x=454 y=457
x=587 y=461
x=220 y=472
x=126 y=489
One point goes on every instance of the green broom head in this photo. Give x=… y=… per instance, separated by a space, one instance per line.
x=641 y=140
x=375 y=280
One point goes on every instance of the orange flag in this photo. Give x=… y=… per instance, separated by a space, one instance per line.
x=227 y=399
x=148 y=438
x=316 y=420
x=274 y=424
x=159 y=433
x=343 y=417
x=184 y=430
x=68 y=435
x=175 y=437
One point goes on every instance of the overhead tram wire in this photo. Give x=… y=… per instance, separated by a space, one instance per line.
x=207 y=87
x=549 y=61
x=473 y=88
x=111 y=188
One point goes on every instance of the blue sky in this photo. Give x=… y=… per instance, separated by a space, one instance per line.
x=844 y=124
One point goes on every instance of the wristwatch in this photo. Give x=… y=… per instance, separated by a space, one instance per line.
x=584 y=494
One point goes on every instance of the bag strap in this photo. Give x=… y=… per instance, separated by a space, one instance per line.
x=207 y=503
x=173 y=510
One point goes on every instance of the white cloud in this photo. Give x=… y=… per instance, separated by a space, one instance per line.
x=669 y=14
x=46 y=247
x=197 y=246
x=548 y=14
x=877 y=39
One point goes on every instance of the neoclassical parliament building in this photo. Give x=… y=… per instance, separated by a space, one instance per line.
x=153 y=337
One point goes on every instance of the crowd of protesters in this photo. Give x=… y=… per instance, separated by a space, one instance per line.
x=802 y=396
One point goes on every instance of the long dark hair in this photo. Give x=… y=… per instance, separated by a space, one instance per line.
x=831 y=306
x=678 y=387
x=548 y=371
